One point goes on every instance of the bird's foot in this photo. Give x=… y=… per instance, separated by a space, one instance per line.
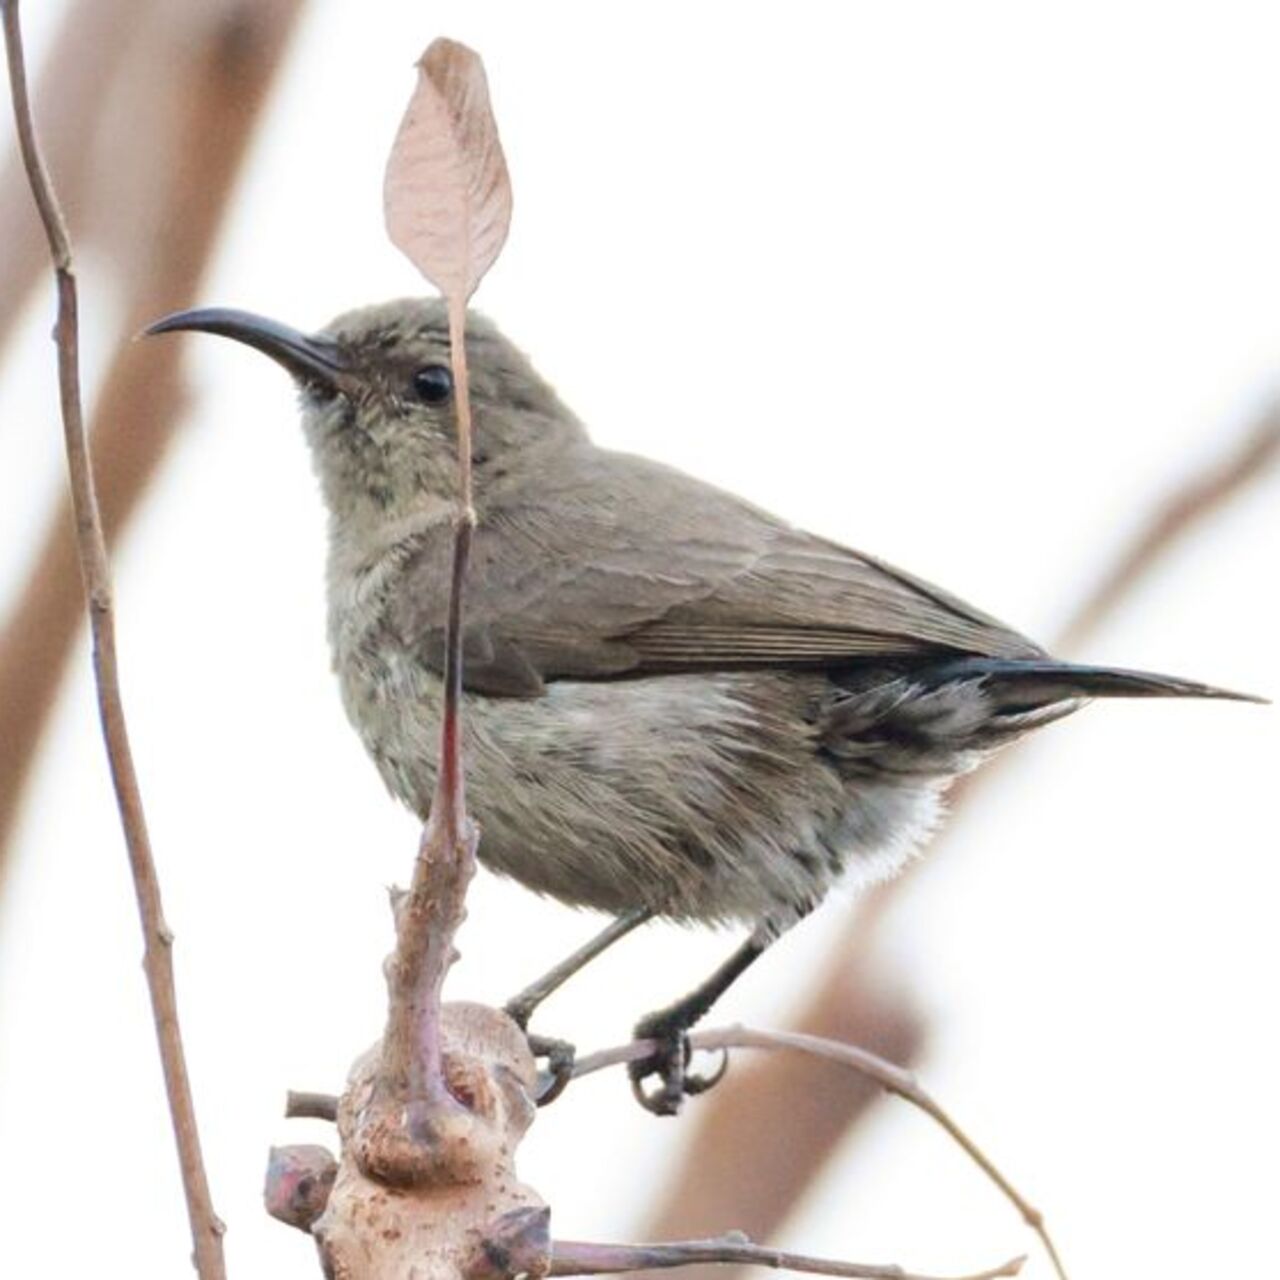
x=560 y=1054
x=552 y=1079
x=670 y=1063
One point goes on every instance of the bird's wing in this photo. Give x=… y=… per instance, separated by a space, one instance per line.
x=614 y=567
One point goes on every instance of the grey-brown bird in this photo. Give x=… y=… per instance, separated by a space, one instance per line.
x=680 y=705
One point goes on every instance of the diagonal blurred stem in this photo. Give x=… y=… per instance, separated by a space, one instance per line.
x=85 y=58
x=218 y=101
x=850 y=1000
x=1170 y=521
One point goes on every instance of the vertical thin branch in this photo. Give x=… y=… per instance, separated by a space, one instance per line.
x=447 y=204
x=452 y=784
x=458 y=362
x=447 y=201
x=433 y=908
x=206 y=1229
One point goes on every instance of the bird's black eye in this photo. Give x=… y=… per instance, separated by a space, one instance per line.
x=433 y=384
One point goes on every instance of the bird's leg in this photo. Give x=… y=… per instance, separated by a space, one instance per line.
x=520 y=1008
x=560 y=1053
x=670 y=1028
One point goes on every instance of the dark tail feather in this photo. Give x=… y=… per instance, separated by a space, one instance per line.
x=1022 y=685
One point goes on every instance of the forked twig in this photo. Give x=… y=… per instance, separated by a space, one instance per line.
x=518 y=1243
x=892 y=1078
x=206 y=1229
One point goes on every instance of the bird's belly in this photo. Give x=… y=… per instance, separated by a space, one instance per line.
x=700 y=797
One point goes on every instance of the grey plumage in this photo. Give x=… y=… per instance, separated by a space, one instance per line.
x=678 y=702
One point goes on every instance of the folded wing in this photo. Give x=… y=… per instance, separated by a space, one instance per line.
x=613 y=567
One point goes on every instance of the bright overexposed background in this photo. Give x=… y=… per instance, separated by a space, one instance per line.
x=964 y=285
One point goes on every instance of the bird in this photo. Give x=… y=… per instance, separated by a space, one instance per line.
x=678 y=705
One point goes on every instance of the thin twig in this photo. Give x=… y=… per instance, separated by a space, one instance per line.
x=430 y=913
x=576 y=1258
x=453 y=104
x=892 y=1078
x=206 y=1229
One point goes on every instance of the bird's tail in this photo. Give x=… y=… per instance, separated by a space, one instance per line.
x=1018 y=685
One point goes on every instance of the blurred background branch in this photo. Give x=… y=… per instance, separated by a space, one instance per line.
x=150 y=110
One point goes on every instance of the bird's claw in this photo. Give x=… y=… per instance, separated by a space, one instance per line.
x=670 y=1063
x=560 y=1055
x=700 y=1083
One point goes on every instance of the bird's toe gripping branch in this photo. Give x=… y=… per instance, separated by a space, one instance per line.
x=670 y=1064
x=559 y=1056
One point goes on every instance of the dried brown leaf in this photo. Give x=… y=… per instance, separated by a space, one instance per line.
x=446 y=194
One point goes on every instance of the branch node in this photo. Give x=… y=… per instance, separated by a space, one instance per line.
x=297 y=1186
x=448 y=1160
x=517 y=1244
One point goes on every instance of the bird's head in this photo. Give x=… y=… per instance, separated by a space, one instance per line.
x=378 y=403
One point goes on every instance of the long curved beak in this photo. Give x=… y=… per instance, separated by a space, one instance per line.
x=314 y=359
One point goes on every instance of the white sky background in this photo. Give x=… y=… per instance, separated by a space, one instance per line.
x=966 y=286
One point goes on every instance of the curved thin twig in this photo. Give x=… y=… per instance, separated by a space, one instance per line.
x=892 y=1078
x=206 y=1228
x=576 y=1258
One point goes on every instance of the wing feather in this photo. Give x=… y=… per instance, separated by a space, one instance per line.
x=609 y=566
